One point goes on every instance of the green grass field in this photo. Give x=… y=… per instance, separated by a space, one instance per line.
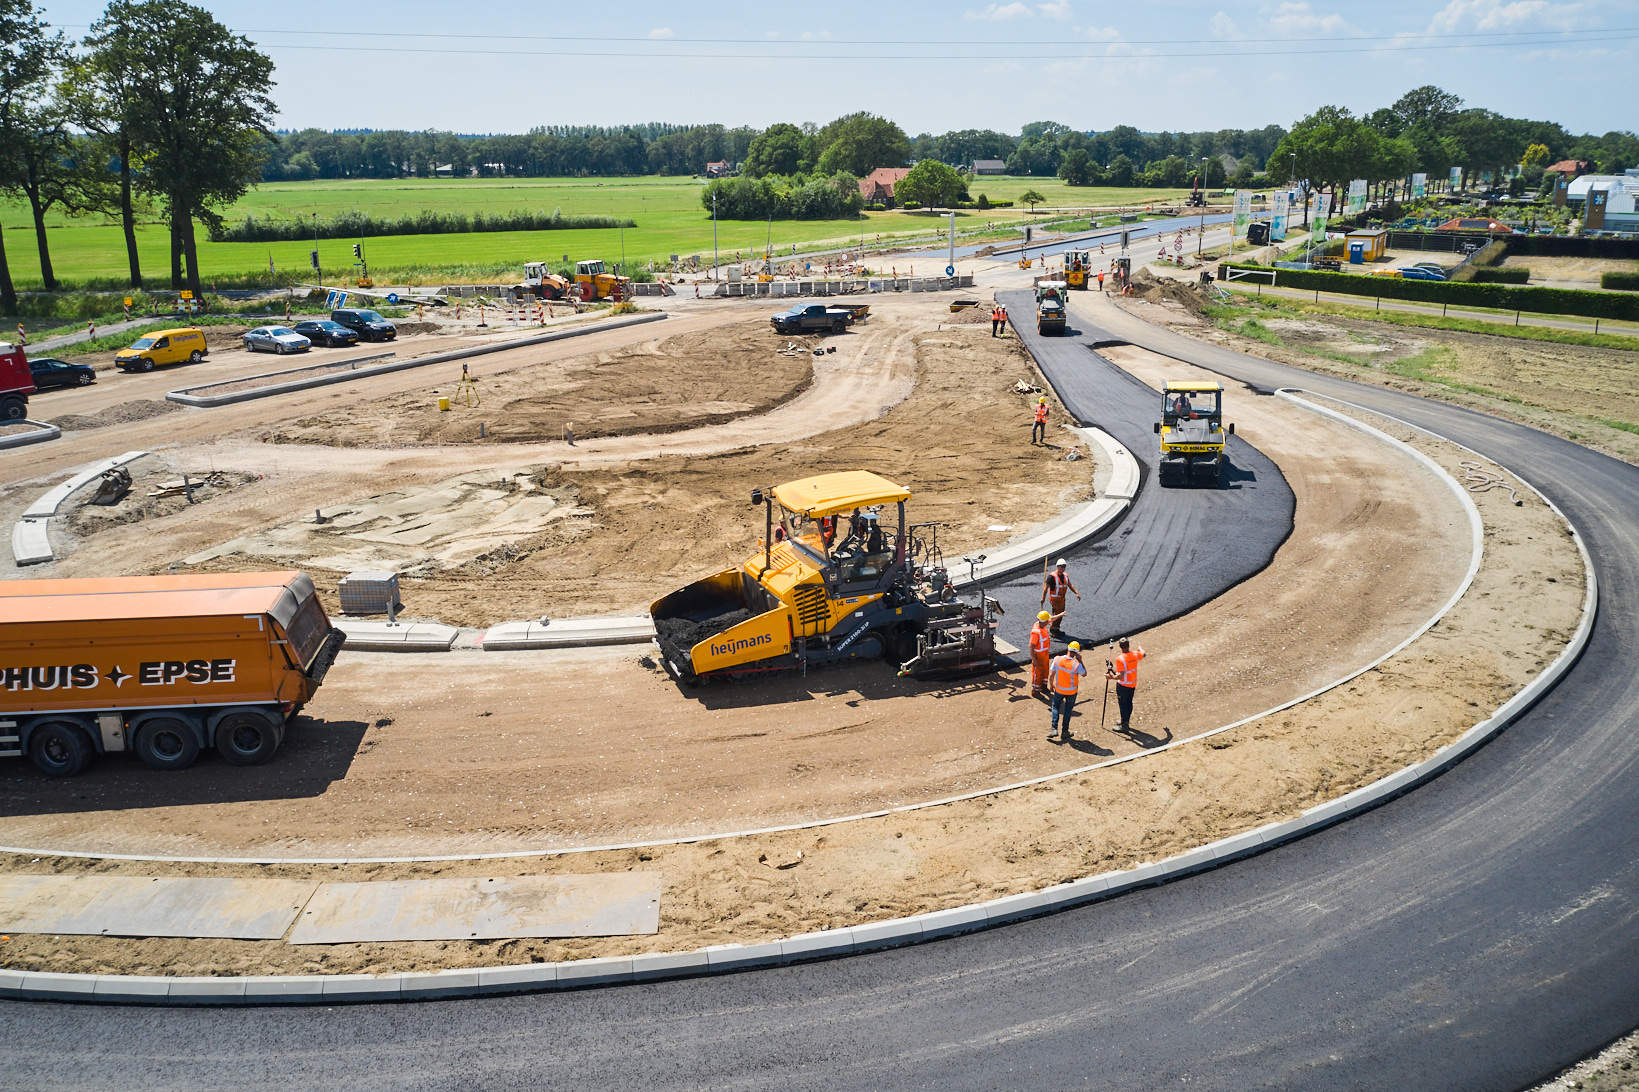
x=90 y=252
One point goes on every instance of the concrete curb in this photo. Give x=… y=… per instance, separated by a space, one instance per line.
x=210 y=401
x=568 y=633
x=395 y=637
x=874 y=936
x=1080 y=523
x=189 y=396
x=42 y=432
x=31 y=535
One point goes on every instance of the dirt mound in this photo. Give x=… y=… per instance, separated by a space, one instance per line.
x=1164 y=291
x=658 y=386
x=122 y=414
x=972 y=316
x=405 y=329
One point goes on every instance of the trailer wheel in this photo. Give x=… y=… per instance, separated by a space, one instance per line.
x=60 y=749
x=246 y=738
x=166 y=743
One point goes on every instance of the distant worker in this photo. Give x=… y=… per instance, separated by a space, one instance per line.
x=1038 y=431
x=1064 y=679
x=1101 y=282
x=1125 y=673
x=1041 y=645
x=1003 y=310
x=1054 y=591
x=995 y=321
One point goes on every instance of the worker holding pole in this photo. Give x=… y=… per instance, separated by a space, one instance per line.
x=1038 y=430
x=1055 y=590
x=1125 y=673
x=1065 y=680
x=1041 y=644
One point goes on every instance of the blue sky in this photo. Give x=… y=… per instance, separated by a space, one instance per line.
x=1162 y=64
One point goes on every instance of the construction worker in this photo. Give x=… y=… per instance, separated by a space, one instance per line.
x=1064 y=679
x=1038 y=431
x=1125 y=674
x=1055 y=589
x=1041 y=644
x=1003 y=310
x=995 y=321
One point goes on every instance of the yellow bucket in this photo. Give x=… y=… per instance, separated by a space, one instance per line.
x=443 y=404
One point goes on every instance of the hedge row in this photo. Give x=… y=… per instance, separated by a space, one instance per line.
x=362 y=225
x=1542 y=301
x=1626 y=282
x=1496 y=274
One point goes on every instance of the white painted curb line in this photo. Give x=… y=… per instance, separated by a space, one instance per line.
x=42 y=432
x=568 y=633
x=307 y=989
x=31 y=535
x=395 y=637
x=208 y=401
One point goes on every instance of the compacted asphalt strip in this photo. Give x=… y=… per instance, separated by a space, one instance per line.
x=1176 y=548
x=1477 y=933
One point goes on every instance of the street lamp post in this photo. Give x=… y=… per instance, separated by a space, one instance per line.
x=714 y=236
x=1200 y=235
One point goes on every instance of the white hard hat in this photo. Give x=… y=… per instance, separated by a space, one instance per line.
x=1061 y=561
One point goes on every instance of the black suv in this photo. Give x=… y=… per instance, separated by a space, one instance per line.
x=326 y=332
x=50 y=373
x=367 y=324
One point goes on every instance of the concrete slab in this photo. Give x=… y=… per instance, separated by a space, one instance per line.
x=612 y=904
x=31 y=542
x=42 y=432
x=400 y=637
x=569 y=633
x=158 y=906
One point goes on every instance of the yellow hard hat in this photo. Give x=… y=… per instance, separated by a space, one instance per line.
x=1043 y=616
x=1043 y=398
x=1075 y=646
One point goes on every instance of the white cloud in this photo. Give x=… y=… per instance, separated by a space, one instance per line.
x=809 y=36
x=1001 y=11
x=661 y=32
x=1497 y=15
x=1295 y=19
x=1222 y=26
x=772 y=34
x=1101 y=34
x=1055 y=9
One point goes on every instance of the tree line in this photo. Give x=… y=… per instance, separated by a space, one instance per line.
x=159 y=109
x=1431 y=131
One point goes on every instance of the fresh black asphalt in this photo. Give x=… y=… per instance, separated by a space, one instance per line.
x=1475 y=934
x=1177 y=548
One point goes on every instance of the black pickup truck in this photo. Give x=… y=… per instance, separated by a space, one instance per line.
x=812 y=318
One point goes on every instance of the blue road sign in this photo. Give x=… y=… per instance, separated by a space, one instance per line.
x=950 y=271
x=392 y=297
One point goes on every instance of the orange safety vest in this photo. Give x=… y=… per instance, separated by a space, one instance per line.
x=1126 y=668
x=1057 y=584
x=1041 y=413
x=995 y=314
x=1063 y=675
x=1040 y=639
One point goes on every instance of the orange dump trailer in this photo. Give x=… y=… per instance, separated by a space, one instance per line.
x=166 y=666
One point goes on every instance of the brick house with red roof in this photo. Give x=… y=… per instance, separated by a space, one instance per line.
x=877 y=187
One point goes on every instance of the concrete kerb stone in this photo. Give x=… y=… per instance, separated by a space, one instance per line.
x=363 y=636
x=871 y=936
x=209 y=401
x=353 y=361
x=31 y=535
x=42 y=432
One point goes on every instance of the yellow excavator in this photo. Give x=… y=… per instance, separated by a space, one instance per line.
x=829 y=583
x=597 y=283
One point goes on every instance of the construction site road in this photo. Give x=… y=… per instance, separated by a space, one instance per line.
x=1477 y=933
x=1177 y=548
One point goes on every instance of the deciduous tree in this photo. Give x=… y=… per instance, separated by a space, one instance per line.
x=29 y=54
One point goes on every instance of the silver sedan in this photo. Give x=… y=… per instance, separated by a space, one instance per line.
x=278 y=339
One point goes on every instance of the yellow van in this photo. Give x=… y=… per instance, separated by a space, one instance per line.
x=185 y=345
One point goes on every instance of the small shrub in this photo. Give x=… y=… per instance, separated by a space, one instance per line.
x=1513 y=274
x=1622 y=282
x=983 y=202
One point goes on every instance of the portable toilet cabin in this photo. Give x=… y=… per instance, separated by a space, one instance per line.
x=1366 y=245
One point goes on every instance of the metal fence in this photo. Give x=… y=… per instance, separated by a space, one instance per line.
x=844 y=287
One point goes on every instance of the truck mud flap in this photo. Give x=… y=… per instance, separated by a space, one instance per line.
x=326 y=656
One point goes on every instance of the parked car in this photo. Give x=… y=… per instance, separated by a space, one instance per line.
x=276 y=339
x=1435 y=266
x=325 y=332
x=1388 y=273
x=812 y=318
x=184 y=345
x=50 y=373
x=368 y=325
x=1421 y=273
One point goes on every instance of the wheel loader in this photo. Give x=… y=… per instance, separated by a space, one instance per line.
x=1192 y=432
x=839 y=576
